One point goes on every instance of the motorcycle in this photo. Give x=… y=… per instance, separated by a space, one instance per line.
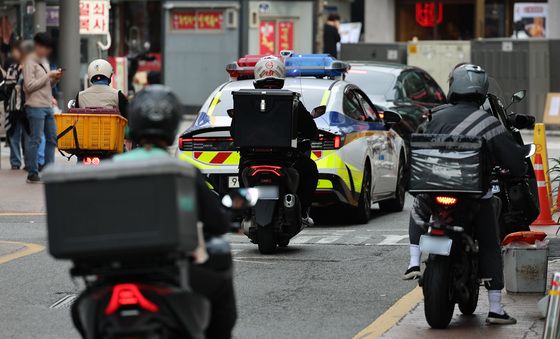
x=452 y=273
x=276 y=217
x=150 y=298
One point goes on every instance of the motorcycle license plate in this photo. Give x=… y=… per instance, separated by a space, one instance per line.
x=435 y=245
x=233 y=182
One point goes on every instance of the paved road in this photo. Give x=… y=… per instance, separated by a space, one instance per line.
x=331 y=282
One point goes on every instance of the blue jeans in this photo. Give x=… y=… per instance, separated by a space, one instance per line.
x=42 y=125
x=18 y=140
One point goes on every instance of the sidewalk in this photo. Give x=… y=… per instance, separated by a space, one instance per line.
x=523 y=307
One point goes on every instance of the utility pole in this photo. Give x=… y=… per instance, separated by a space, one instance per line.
x=69 y=48
x=319 y=9
x=40 y=16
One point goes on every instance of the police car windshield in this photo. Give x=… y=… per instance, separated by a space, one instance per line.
x=374 y=83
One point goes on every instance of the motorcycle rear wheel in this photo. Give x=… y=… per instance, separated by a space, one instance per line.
x=438 y=304
x=468 y=307
x=266 y=240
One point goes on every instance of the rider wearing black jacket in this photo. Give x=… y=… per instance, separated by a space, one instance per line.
x=269 y=74
x=468 y=86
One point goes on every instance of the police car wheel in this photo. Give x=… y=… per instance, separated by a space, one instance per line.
x=362 y=213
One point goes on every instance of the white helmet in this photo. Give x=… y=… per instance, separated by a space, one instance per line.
x=270 y=67
x=100 y=67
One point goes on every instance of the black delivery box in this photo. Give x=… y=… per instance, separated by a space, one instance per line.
x=448 y=163
x=264 y=118
x=121 y=210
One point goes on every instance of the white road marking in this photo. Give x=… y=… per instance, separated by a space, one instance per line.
x=65 y=301
x=393 y=240
x=328 y=239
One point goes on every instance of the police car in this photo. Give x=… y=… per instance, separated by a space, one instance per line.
x=361 y=159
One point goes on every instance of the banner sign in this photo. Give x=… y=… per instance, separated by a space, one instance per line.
x=286 y=35
x=185 y=20
x=267 y=39
x=52 y=16
x=94 y=16
x=529 y=19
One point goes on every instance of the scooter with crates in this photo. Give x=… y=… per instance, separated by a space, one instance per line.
x=90 y=134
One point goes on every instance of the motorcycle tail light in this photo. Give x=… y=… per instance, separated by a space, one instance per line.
x=437 y=231
x=127 y=295
x=91 y=161
x=265 y=169
x=446 y=200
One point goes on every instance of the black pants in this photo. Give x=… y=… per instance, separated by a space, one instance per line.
x=490 y=263
x=216 y=286
x=308 y=178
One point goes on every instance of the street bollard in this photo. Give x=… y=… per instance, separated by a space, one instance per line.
x=552 y=324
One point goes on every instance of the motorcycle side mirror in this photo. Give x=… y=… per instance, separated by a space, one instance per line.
x=390 y=118
x=241 y=198
x=71 y=104
x=518 y=96
x=318 y=111
x=530 y=150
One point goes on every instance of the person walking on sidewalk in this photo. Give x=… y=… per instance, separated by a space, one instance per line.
x=17 y=125
x=38 y=82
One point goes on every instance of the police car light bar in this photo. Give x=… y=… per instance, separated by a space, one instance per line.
x=297 y=65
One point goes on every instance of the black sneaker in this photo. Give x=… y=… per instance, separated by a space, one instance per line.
x=33 y=179
x=500 y=319
x=15 y=167
x=412 y=273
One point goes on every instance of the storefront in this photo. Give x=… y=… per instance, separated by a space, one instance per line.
x=454 y=19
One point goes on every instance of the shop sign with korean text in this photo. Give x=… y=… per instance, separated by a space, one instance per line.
x=203 y=20
x=94 y=16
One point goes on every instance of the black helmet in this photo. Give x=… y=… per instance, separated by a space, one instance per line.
x=154 y=113
x=468 y=82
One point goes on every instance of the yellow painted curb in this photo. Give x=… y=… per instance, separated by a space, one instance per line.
x=28 y=250
x=391 y=316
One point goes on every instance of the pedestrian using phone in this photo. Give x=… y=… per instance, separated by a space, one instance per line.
x=38 y=81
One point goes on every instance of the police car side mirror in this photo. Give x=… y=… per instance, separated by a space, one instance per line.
x=230 y=112
x=390 y=118
x=241 y=198
x=518 y=96
x=318 y=111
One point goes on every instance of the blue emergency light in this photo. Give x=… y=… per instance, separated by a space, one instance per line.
x=297 y=65
x=315 y=65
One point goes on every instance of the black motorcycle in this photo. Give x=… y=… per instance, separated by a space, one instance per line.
x=150 y=298
x=264 y=129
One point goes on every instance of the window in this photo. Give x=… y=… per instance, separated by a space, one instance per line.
x=371 y=111
x=414 y=87
x=434 y=90
x=351 y=106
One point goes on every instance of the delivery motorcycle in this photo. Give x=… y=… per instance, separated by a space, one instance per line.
x=449 y=172
x=135 y=266
x=264 y=129
x=151 y=298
